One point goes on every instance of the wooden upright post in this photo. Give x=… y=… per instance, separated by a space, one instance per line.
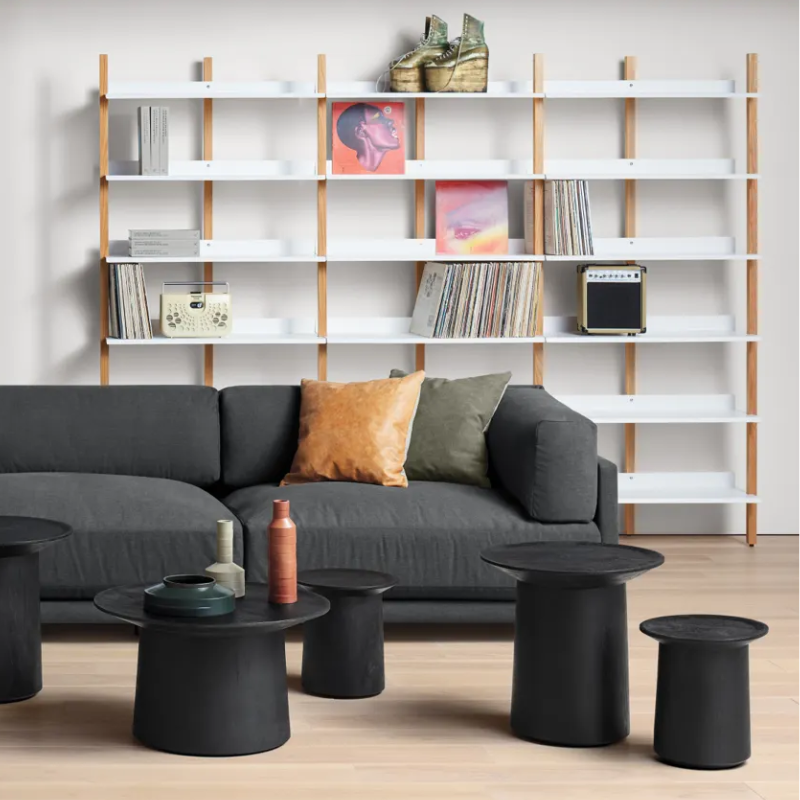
x=104 y=371
x=208 y=208
x=629 y=74
x=419 y=208
x=752 y=295
x=322 y=220
x=538 y=207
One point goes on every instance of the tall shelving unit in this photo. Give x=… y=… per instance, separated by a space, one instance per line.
x=629 y=409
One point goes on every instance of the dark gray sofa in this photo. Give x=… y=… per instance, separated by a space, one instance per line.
x=143 y=473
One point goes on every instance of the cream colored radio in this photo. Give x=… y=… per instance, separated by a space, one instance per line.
x=195 y=314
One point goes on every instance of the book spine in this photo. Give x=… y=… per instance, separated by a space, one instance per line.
x=163 y=159
x=164 y=234
x=164 y=250
x=155 y=139
x=145 y=153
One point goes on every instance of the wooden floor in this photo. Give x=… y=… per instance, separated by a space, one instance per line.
x=441 y=728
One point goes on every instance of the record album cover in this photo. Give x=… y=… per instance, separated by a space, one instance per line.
x=369 y=139
x=472 y=217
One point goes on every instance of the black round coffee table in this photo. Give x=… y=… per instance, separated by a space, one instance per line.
x=703 y=694
x=343 y=651
x=21 y=539
x=570 y=683
x=212 y=686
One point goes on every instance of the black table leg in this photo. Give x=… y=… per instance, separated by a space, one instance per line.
x=20 y=628
x=211 y=695
x=570 y=665
x=703 y=705
x=343 y=651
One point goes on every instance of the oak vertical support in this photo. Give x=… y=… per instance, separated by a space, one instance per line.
x=104 y=367
x=322 y=219
x=419 y=209
x=629 y=74
x=208 y=208
x=538 y=207
x=752 y=294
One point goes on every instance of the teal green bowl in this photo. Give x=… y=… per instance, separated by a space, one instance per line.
x=189 y=596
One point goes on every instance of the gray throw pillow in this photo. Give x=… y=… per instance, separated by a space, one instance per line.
x=448 y=440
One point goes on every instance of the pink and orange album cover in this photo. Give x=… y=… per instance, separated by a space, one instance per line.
x=472 y=217
x=369 y=139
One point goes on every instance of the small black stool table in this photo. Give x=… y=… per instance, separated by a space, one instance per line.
x=570 y=685
x=21 y=539
x=703 y=694
x=343 y=651
x=212 y=686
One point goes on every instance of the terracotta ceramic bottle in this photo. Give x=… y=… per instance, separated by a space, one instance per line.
x=282 y=554
x=225 y=571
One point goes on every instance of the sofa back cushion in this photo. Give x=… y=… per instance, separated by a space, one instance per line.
x=149 y=431
x=260 y=428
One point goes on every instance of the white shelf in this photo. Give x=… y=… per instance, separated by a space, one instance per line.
x=366 y=90
x=643 y=169
x=681 y=488
x=414 y=250
x=642 y=89
x=220 y=171
x=498 y=169
x=188 y=90
x=707 y=248
x=245 y=331
x=660 y=330
x=395 y=330
x=658 y=409
x=221 y=250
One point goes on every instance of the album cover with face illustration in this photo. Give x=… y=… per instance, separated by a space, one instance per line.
x=369 y=139
x=472 y=217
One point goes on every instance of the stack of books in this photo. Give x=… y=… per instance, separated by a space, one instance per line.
x=155 y=243
x=478 y=300
x=567 y=219
x=153 y=140
x=129 y=315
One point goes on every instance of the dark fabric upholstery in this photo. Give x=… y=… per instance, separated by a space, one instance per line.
x=607 y=516
x=429 y=535
x=260 y=426
x=125 y=529
x=545 y=455
x=152 y=431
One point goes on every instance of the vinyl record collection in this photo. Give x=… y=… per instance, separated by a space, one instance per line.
x=567 y=219
x=129 y=316
x=477 y=300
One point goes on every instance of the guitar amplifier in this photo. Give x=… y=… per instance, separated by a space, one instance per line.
x=611 y=298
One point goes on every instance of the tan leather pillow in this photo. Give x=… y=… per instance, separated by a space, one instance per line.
x=355 y=431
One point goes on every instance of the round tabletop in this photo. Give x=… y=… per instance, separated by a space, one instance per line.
x=711 y=629
x=346 y=581
x=572 y=564
x=20 y=536
x=254 y=613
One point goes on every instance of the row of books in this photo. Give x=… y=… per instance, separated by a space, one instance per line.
x=567 y=219
x=129 y=315
x=163 y=243
x=153 y=140
x=478 y=300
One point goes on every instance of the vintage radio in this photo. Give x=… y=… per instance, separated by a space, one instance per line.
x=196 y=314
x=611 y=298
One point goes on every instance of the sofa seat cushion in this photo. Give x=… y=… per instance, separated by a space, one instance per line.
x=125 y=529
x=429 y=535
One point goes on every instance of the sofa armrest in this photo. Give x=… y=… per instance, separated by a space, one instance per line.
x=607 y=516
x=545 y=455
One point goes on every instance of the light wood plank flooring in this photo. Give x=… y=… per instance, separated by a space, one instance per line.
x=441 y=728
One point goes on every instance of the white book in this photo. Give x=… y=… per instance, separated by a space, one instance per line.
x=163 y=153
x=155 y=138
x=429 y=297
x=144 y=141
x=164 y=234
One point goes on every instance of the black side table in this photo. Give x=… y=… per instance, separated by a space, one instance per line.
x=343 y=651
x=703 y=694
x=571 y=639
x=212 y=686
x=21 y=539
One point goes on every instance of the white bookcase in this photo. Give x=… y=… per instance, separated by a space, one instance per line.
x=630 y=409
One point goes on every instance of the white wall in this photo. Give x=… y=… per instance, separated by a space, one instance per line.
x=49 y=221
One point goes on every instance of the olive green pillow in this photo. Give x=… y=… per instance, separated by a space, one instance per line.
x=448 y=440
